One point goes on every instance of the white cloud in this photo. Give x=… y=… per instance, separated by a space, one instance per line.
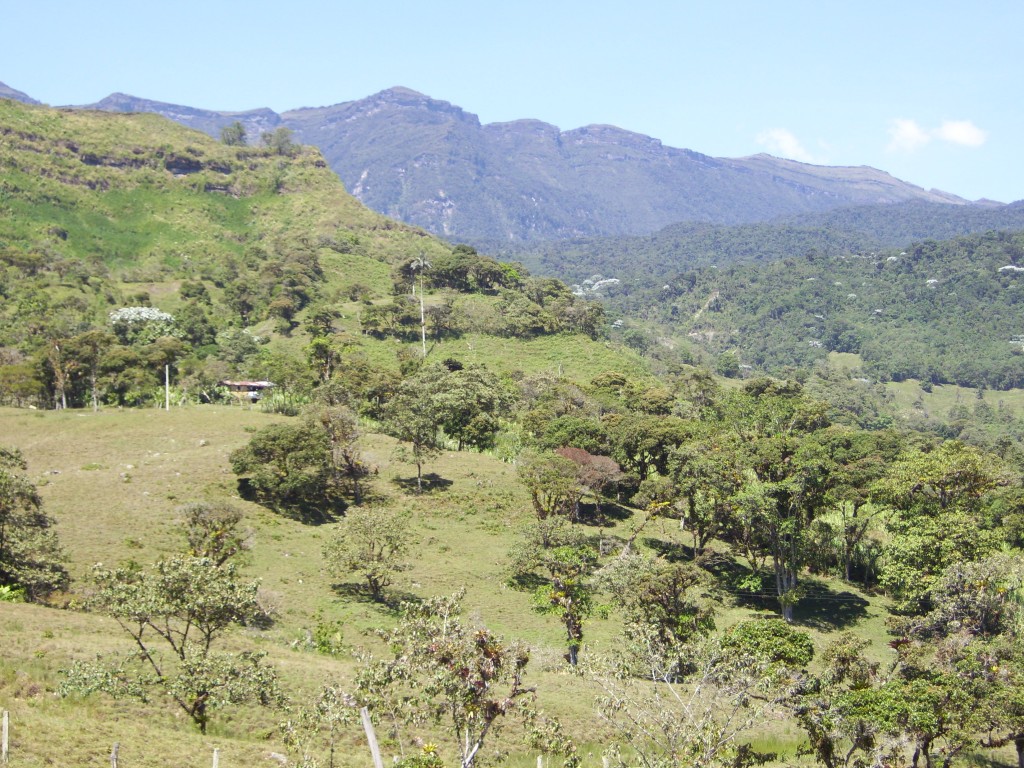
x=907 y=135
x=962 y=132
x=779 y=141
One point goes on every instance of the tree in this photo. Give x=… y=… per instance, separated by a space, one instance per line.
x=861 y=459
x=176 y=615
x=643 y=443
x=307 y=470
x=346 y=457
x=470 y=399
x=597 y=475
x=284 y=466
x=88 y=348
x=730 y=689
x=787 y=474
x=661 y=616
x=705 y=475
x=213 y=531
x=552 y=482
x=233 y=135
x=370 y=543
x=569 y=594
x=412 y=416
x=279 y=141
x=448 y=672
x=30 y=555
x=940 y=498
x=419 y=265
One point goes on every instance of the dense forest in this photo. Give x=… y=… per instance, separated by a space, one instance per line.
x=464 y=503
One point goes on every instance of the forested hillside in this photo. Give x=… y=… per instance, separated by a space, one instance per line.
x=129 y=243
x=843 y=232
x=944 y=312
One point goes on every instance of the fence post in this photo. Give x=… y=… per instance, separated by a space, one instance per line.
x=5 y=737
x=216 y=758
x=371 y=737
x=113 y=754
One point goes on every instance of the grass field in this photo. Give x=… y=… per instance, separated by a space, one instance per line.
x=910 y=397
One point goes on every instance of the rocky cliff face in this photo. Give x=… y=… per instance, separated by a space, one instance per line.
x=433 y=164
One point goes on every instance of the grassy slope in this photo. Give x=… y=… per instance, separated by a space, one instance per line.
x=910 y=398
x=113 y=480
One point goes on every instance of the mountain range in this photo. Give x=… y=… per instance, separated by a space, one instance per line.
x=430 y=163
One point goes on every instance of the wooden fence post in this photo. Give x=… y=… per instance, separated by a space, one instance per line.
x=216 y=758
x=113 y=754
x=371 y=737
x=5 y=738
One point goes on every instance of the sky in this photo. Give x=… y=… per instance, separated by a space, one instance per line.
x=929 y=91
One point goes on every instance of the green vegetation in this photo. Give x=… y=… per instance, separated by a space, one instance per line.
x=30 y=555
x=649 y=562
x=941 y=312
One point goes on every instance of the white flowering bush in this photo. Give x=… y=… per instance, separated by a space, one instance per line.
x=142 y=325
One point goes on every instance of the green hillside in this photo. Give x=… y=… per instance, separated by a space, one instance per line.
x=104 y=212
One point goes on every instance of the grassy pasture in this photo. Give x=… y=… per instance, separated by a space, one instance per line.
x=113 y=481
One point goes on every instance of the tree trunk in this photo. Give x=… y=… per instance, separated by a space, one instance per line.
x=1019 y=743
x=574 y=654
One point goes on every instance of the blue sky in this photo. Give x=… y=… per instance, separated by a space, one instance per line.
x=928 y=91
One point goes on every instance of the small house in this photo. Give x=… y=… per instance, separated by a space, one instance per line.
x=250 y=391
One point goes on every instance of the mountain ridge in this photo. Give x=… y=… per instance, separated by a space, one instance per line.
x=433 y=164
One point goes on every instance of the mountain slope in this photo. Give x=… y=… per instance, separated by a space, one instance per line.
x=255 y=121
x=433 y=164
x=6 y=92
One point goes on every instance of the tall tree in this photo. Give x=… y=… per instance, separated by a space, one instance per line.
x=788 y=473
x=88 y=349
x=31 y=560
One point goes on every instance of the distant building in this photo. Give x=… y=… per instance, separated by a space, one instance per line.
x=246 y=390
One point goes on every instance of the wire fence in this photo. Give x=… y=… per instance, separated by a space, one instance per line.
x=5 y=745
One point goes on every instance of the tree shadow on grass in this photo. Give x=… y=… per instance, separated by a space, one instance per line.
x=308 y=512
x=820 y=607
x=604 y=514
x=823 y=608
x=527 y=582
x=391 y=601
x=672 y=551
x=431 y=482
